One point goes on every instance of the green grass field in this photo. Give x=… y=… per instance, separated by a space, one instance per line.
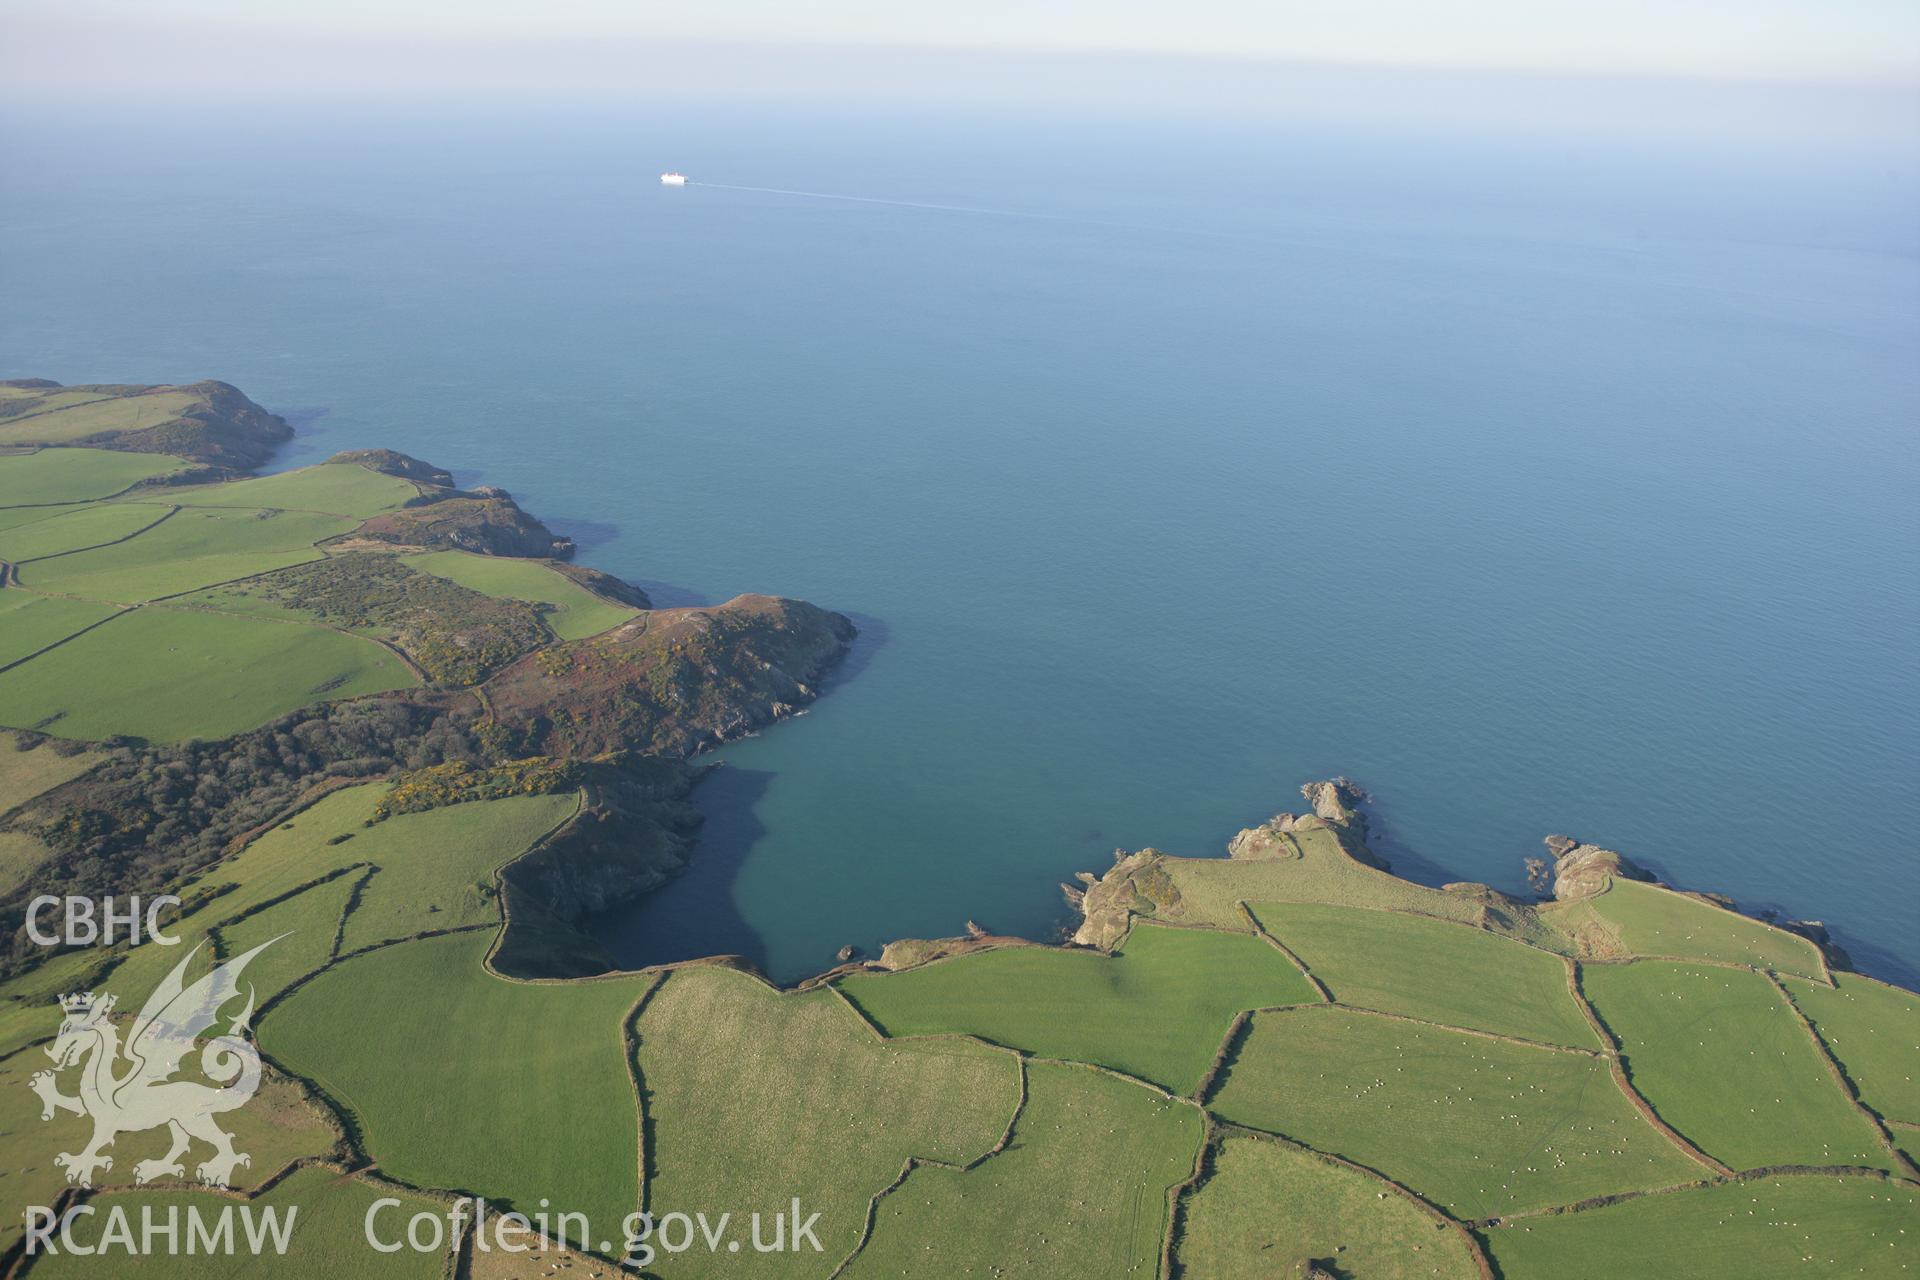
x=87 y=526
x=341 y=489
x=1157 y=1010
x=757 y=1097
x=435 y=871
x=1431 y=969
x=300 y=931
x=77 y=418
x=277 y=1125
x=1785 y=1228
x=1481 y=1127
x=516 y=1091
x=1648 y=920
x=27 y=1002
x=1907 y=1138
x=1210 y=888
x=65 y=971
x=1723 y=1060
x=26 y=774
x=328 y=1239
x=17 y=401
x=1080 y=1192
x=575 y=611
x=75 y=475
x=1874 y=1030
x=1267 y=1205
x=21 y=854
x=195 y=547
x=24 y=1021
x=15 y=517
x=29 y=623
x=165 y=674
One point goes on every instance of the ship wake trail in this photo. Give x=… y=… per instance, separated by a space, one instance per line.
x=900 y=204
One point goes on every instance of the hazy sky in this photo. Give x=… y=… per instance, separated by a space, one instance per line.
x=1826 y=69
x=1850 y=39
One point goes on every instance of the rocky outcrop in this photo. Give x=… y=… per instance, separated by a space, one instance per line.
x=1336 y=806
x=1813 y=931
x=1136 y=884
x=1268 y=840
x=394 y=463
x=1336 y=801
x=488 y=526
x=672 y=682
x=1582 y=870
x=618 y=590
x=908 y=952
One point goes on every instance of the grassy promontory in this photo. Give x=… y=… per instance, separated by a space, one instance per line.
x=230 y=645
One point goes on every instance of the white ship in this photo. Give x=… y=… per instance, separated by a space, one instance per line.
x=673 y=179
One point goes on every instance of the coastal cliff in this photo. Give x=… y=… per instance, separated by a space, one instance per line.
x=672 y=681
x=207 y=422
x=487 y=522
x=507 y=700
x=1323 y=856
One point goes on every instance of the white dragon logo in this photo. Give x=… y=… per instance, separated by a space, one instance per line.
x=144 y=1095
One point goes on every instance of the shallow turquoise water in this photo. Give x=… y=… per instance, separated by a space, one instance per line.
x=1538 y=487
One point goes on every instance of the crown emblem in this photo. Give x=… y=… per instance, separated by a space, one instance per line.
x=77 y=1003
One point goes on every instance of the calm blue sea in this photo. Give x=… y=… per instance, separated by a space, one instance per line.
x=1541 y=486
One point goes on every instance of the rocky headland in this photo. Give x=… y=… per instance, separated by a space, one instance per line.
x=1140 y=884
x=508 y=708
x=208 y=422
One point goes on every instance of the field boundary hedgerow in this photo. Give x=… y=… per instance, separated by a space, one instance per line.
x=356 y=1159
x=630 y=1035
x=1260 y=931
x=1733 y=1178
x=1203 y=1171
x=1586 y=1009
x=1024 y=1058
x=119 y=612
x=1617 y=1061
x=13 y=1263
x=1522 y=1041
x=166 y=515
x=1838 y=1071
x=914 y=1162
x=1231 y=1129
x=30 y=450
x=1203 y=1162
x=630 y=1050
